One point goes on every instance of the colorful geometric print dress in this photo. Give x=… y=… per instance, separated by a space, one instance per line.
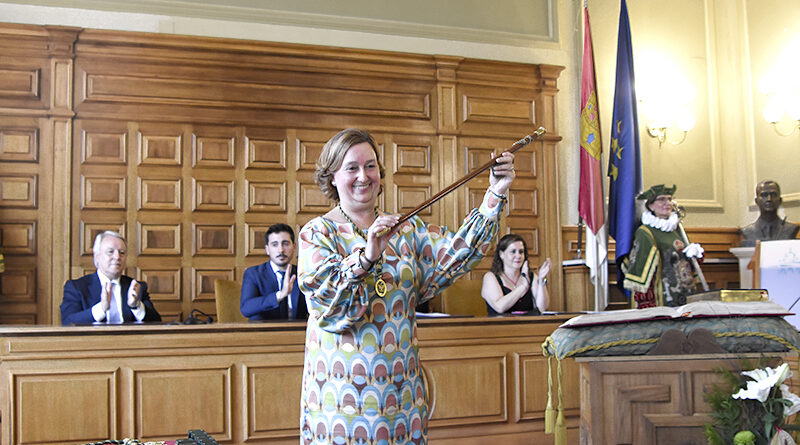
x=361 y=376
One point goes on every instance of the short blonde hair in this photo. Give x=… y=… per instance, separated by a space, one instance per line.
x=332 y=156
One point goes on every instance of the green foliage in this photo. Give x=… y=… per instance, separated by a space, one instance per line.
x=731 y=416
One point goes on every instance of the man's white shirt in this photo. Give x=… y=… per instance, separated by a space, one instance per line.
x=101 y=315
x=288 y=270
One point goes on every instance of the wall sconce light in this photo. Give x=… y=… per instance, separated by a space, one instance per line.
x=673 y=127
x=665 y=98
x=782 y=88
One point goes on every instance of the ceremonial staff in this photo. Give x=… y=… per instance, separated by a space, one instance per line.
x=513 y=149
x=681 y=213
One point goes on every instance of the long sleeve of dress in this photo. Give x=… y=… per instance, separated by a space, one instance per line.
x=419 y=261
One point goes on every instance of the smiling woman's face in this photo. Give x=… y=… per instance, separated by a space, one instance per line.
x=358 y=180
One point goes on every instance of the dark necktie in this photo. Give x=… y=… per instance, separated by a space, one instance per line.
x=284 y=306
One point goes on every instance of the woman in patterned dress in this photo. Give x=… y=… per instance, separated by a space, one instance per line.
x=361 y=377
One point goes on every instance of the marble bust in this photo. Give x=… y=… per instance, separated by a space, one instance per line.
x=768 y=226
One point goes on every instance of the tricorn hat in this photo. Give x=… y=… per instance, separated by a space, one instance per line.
x=655 y=191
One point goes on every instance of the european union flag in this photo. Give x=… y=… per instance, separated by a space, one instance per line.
x=624 y=162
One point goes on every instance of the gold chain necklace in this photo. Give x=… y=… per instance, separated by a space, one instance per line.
x=380 y=285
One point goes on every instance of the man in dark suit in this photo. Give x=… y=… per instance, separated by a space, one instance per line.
x=107 y=296
x=269 y=290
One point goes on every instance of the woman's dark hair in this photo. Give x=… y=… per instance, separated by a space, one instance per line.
x=502 y=245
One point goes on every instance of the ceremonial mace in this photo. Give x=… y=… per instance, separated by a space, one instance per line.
x=681 y=213
x=513 y=149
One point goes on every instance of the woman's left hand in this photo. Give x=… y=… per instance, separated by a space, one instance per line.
x=544 y=269
x=502 y=175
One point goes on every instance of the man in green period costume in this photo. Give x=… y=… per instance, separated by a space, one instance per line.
x=658 y=271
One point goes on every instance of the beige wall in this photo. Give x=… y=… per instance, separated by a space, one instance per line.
x=723 y=47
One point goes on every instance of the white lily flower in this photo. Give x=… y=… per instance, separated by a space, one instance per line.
x=792 y=397
x=762 y=383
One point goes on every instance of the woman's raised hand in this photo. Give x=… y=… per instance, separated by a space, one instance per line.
x=376 y=243
x=502 y=175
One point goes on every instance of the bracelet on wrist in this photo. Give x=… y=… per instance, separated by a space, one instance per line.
x=498 y=195
x=362 y=258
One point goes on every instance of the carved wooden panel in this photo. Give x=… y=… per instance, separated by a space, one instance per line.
x=212 y=195
x=412 y=158
x=522 y=201
x=308 y=152
x=18 y=285
x=103 y=148
x=311 y=200
x=255 y=238
x=102 y=193
x=213 y=240
x=414 y=175
x=18 y=238
x=203 y=282
x=159 y=413
x=264 y=153
x=159 y=194
x=409 y=197
x=157 y=149
x=20 y=83
x=19 y=144
x=486 y=400
x=264 y=386
x=266 y=196
x=159 y=239
x=484 y=109
x=213 y=151
x=19 y=191
x=162 y=284
x=49 y=422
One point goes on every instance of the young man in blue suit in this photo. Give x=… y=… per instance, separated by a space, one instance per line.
x=269 y=290
x=107 y=296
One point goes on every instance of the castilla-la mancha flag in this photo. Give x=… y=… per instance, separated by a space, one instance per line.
x=590 y=199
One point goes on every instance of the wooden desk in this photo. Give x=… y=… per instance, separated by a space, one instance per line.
x=241 y=382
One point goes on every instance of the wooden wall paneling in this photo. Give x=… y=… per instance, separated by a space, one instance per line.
x=35 y=100
x=415 y=173
x=21 y=206
x=212 y=140
x=310 y=202
x=231 y=81
x=270 y=161
x=60 y=129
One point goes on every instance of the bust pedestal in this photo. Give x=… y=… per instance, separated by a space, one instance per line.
x=744 y=255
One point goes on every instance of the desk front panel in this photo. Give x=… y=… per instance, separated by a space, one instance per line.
x=241 y=383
